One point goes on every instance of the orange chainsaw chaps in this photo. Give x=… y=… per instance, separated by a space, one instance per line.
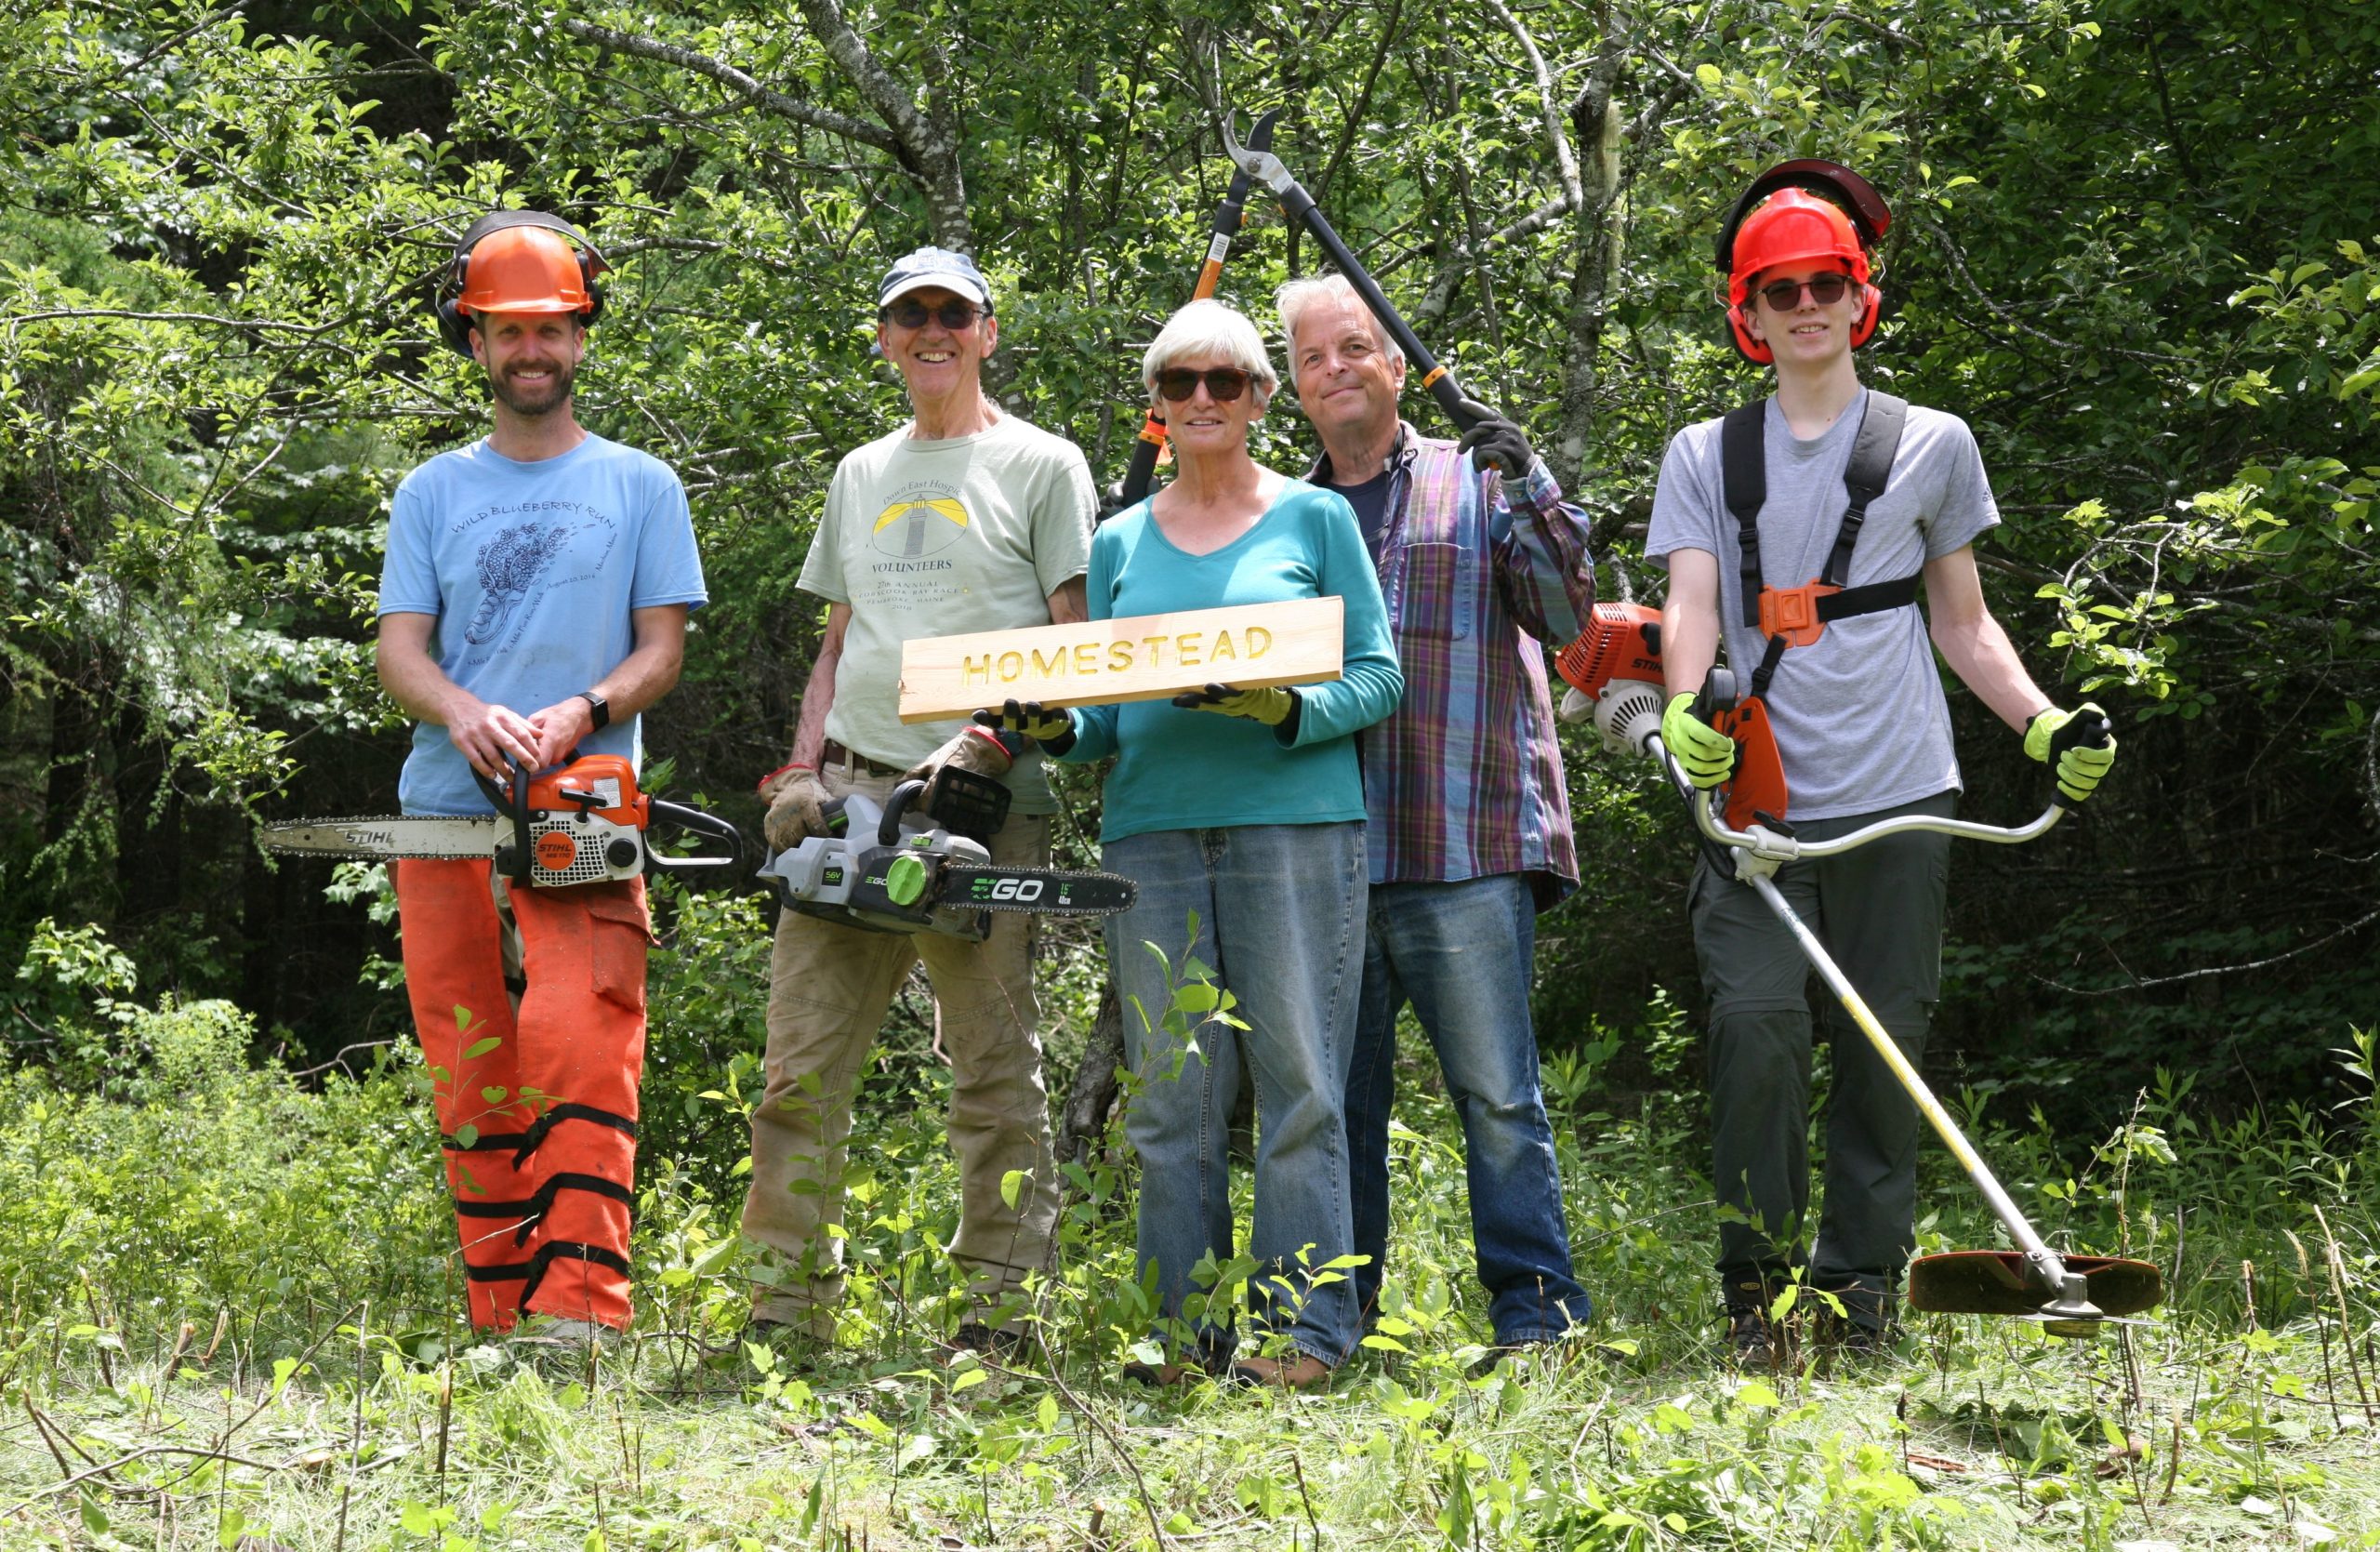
x=537 y=1107
x=1758 y=786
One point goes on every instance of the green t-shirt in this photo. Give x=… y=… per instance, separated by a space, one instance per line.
x=939 y=539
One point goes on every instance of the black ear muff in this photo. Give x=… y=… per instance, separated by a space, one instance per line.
x=589 y=265
x=453 y=327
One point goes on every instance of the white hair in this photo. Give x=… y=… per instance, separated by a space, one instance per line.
x=1205 y=329
x=1293 y=298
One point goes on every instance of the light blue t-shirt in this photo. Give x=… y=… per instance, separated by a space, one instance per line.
x=1200 y=770
x=532 y=570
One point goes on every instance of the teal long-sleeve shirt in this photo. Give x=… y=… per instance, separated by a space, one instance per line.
x=1199 y=770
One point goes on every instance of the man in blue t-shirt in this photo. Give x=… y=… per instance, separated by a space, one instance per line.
x=533 y=603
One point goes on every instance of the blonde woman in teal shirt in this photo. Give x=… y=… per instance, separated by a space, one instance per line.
x=1241 y=816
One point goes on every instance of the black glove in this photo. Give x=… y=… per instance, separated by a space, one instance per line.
x=1494 y=442
x=1051 y=727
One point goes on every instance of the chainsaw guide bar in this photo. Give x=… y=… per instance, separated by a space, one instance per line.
x=1051 y=890
x=422 y=838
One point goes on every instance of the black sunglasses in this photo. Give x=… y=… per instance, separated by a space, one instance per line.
x=1783 y=296
x=1223 y=383
x=954 y=314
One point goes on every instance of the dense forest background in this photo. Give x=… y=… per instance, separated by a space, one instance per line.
x=2135 y=247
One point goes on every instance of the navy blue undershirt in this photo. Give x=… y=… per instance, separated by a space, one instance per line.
x=1370 y=501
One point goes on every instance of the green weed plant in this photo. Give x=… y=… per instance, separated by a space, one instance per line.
x=229 y=1317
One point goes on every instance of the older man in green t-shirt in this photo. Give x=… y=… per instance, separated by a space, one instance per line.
x=965 y=519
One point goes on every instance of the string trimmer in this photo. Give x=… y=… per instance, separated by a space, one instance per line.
x=1614 y=669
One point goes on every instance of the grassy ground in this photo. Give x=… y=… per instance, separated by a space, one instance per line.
x=229 y=1322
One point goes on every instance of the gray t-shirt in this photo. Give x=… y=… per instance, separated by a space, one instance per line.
x=1861 y=722
x=938 y=538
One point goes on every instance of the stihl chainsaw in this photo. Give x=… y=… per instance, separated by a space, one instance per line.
x=581 y=822
x=894 y=870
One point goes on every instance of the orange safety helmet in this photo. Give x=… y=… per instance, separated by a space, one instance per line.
x=1792 y=213
x=519 y=262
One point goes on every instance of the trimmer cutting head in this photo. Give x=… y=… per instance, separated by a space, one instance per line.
x=2099 y=1292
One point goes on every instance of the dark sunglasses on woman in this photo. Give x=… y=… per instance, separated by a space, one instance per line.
x=954 y=314
x=1223 y=383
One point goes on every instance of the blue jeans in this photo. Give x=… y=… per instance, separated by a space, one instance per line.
x=1280 y=912
x=1460 y=953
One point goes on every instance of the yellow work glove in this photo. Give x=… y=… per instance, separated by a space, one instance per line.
x=2079 y=745
x=1271 y=707
x=1707 y=755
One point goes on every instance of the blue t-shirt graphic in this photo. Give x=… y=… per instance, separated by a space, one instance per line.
x=532 y=570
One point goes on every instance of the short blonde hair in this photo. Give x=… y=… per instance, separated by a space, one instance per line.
x=1295 y=296
x=1208 y=328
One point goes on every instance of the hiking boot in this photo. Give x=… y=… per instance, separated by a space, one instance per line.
x=1298 y=1371
x=1753 y=1340
x=1756 y=1342
x=973 y=1339
x=1164 y=1376
x=1867 y=1327
x=555 y=1342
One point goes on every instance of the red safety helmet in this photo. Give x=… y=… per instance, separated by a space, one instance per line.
x=519 y=262
x=1792 y=213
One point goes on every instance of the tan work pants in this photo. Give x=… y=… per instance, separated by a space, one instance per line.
x=829 y=986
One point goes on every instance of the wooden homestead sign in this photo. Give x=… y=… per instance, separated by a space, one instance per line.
x=1107 y=661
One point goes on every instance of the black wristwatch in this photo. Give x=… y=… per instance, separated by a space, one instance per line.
x=602 y=708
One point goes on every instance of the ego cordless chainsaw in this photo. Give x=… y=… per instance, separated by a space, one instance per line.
x=581 y=822
x=898 y=871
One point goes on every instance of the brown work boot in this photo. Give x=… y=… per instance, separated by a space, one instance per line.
x=1297 y=1371
x=1755 y=1341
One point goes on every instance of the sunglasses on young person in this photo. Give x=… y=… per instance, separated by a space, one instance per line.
x=1223 y=383
x=954 y=314
x=1783 y=296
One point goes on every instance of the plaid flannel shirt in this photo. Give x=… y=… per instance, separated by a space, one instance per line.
x=1464 y=779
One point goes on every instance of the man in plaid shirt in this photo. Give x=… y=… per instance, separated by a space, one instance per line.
x=1470 y=831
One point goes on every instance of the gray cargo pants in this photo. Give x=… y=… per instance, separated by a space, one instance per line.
x=1879 y=910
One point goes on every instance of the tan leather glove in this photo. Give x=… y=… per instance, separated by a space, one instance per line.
x=797 y=801
x=972 y=748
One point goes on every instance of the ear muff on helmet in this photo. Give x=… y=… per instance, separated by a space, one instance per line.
x=1797 y=211
x=529 y=275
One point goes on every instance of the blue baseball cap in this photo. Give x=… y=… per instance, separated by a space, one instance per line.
x=951 y=271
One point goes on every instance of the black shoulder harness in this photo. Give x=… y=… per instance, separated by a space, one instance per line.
x=1744 y=475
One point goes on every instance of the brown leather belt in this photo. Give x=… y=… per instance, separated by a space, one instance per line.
x=835 y=754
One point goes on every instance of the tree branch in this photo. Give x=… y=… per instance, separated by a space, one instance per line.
x=933 y=154
x=1566 y=161
x=727 y=75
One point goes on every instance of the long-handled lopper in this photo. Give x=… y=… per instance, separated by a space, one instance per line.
x=1150 y=444
x=1255 y=161
x=1616 y=666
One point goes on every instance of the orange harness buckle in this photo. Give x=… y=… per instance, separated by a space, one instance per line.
x=1791 y=614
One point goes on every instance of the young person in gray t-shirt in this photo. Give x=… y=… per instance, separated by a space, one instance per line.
x=1862 y=730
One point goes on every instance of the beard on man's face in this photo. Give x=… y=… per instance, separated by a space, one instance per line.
x=540 y=400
